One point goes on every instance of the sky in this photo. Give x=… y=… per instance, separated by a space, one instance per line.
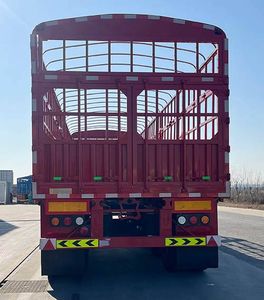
x=241 y=20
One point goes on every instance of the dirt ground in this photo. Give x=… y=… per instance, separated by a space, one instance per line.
x=241 y=205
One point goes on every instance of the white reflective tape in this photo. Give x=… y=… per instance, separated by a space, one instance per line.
x=92 y=77
x=34 y=192
x=192 y=195
x=34 y=157
x=226 y=157
x=226 y=44
x=226 y=69
x=132 y=78
x=81 y=19
x=55 y=191
x=130 y=16
x=51 y=77
x=51 y=23
x=151 y=17
x=167 y=78
x=106 y=16
x=87 y=196
x=164 y=195
x=134 y=195
x=104 y=243
x=208 y=26
x=111 y=195
x=34 y=104
x=33 y=40
x=179 y=21
x=226 y=106
x=227 y=192
x=207 y=79
x=33 y=67
x=63 y=196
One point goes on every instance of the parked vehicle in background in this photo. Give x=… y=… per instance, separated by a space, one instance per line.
x=24 y=189
x=3 y=192
x=130 y=138
x=7 y=176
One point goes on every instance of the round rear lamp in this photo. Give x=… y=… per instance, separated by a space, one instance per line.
x=67 y=221
x=84 y=231
x=193 y=220
x=205 y=219
x=55 y=221
x=79 y=221
x=181 y=220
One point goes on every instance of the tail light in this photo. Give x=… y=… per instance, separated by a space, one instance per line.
x=205 y=219
x=55 y=221
x=67 y=221
x=181 y=220
x=79 y=221
x=193 y=220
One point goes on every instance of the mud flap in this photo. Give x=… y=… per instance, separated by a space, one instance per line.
x=64 y=262
x=190 y=258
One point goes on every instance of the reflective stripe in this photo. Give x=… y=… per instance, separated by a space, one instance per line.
x=179 y=21
x=130 y=16
x=51 y=77
x=81 y=19
x=106 y=17
x=165 y=195
x=80 y=243
x=34 y=104
x=227 y=192
x=150 y=17
x=87 y=196
x=207 y=79
x=226 y=45
x=63 y=196
x=51 y=23
x=167 y=78
x=192 y=195
x=226 y=69
x=34 y=157
x=226 y=157
x=135 y=195
x=111 y=195
x=208 y=26
x=33 y=67
x=226 y=106
x=132 y=78
x=185 y=241
x=92 y=77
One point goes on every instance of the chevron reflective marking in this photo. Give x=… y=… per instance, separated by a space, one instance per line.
x=81 y=243
x=185 y=241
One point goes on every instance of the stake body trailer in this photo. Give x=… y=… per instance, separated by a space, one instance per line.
x=130 y=138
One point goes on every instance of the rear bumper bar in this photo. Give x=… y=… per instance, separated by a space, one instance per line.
x=130 y=242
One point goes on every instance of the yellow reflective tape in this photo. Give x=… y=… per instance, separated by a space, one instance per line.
x=84 y=243
x=185 y=241
x=193 y=205
x=64 y=206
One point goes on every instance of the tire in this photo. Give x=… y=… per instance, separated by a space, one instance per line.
x=64 y=262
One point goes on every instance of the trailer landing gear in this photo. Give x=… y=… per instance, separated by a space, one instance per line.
x=190 y=258
x=64 y=262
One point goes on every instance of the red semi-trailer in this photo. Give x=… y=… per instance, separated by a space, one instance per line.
x=130 y=138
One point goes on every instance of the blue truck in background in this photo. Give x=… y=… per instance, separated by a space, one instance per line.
x=24 y=189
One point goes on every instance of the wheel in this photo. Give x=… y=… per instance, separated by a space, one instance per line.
x=64 y=262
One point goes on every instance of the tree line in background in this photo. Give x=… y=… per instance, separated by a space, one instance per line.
x=247 y=189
